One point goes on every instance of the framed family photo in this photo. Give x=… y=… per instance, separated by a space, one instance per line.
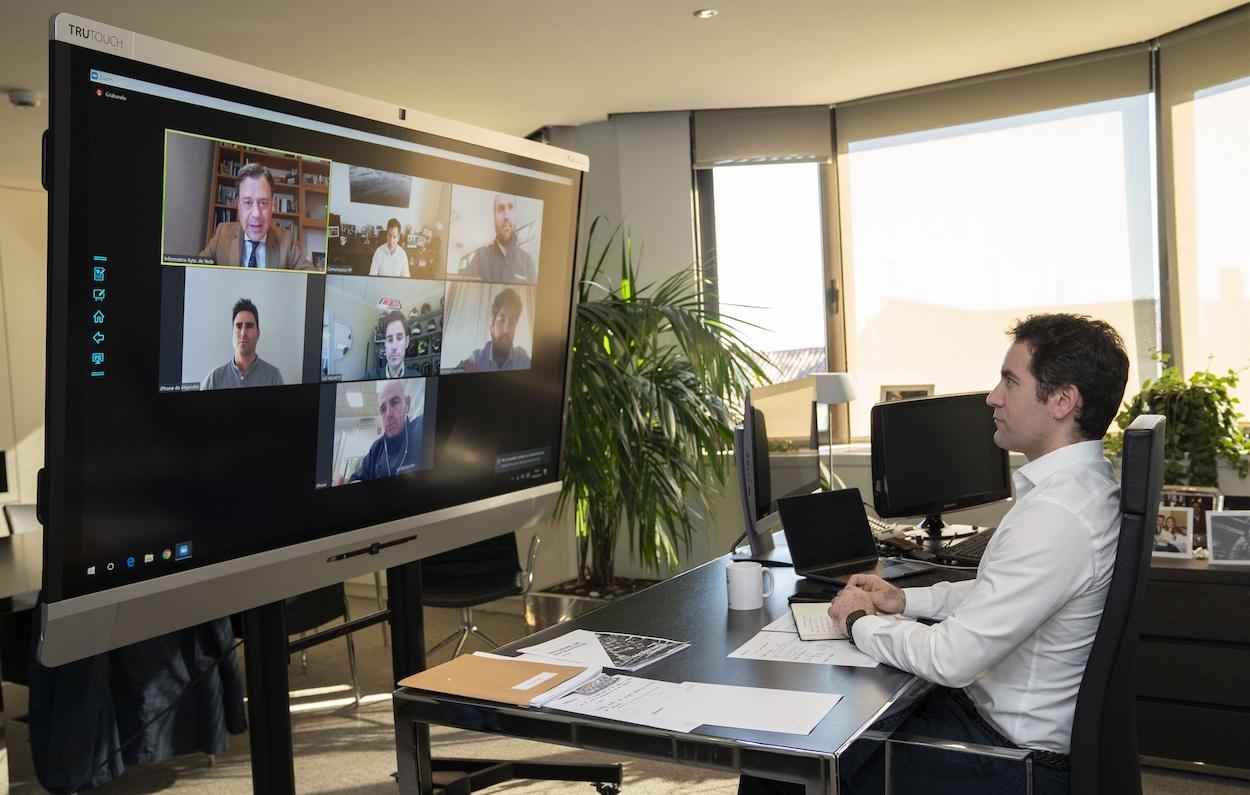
x=1201 y=499
x=1230 y=537
x=893 y=392
x=1174 y=532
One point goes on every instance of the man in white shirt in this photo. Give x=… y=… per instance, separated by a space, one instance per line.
x=390 y=259
x=1010 y=647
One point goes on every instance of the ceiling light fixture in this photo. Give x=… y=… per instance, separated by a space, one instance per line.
x=705 y=13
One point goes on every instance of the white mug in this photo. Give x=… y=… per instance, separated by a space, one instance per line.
x=745 y=583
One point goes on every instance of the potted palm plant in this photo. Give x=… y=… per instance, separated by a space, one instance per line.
x=656 y=384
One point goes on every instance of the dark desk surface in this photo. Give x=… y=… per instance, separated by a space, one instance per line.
x=21 y=570
x=692 y=608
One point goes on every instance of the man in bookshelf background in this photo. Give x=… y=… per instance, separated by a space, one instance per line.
x=390 y=259
x=246 y=368
x=395 y=341
x=254 y=240
x=502 y=260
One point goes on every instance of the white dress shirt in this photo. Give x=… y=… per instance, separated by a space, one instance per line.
x=389 y=263
x=1018 y=636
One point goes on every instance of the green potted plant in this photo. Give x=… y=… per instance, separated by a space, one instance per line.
x=1203 y=423
x=656 y=385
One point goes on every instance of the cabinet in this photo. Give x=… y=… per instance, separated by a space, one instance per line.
x=301 y=190
x=1193 y=667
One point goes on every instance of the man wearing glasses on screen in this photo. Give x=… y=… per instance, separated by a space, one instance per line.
x=502 y=261
x=395 y=342
x=254 y=240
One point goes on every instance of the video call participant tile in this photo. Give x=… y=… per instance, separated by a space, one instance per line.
x=384 y=223
x=488 y=327
x=378 y=327
x=379 y=430
x=230 y=329
x=495 y=237
x=241 y=206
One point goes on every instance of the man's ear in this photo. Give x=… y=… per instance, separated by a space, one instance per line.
x=1065 y=401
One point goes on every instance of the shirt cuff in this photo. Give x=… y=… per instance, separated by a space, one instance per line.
x=865 y=626
x=919 y=602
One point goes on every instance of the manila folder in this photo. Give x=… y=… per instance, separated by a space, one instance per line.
x=492 y=678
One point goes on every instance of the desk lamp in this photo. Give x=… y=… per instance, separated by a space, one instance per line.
x=833 y=389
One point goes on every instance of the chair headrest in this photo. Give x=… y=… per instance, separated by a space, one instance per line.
x=1142 y=463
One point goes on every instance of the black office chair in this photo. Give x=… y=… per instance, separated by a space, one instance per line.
x=307 y=611
x=472 y=576
x=1104 y=729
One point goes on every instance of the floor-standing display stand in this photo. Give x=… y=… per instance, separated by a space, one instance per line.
x=268 y=656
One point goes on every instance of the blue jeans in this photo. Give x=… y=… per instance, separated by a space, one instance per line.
x=928 y=770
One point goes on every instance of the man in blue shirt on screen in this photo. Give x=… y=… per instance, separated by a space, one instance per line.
x=500 y=353
x=1010 y=647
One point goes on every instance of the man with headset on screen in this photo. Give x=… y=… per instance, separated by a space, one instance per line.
x=254 y=241
x=1010 y=647
x=502 y=260
x=398 y=449
x=499 y=353
x=395 y=335
x=245 y=368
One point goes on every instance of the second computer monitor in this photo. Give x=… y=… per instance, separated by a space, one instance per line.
x=936 y=454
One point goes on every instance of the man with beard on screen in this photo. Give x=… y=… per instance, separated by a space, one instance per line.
x=502 y=261
x=499 y=353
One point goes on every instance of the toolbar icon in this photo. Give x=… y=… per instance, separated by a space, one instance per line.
x=182 y=550
x=148 y=557
x=97 y=337
x=98 y=294
x=97 y=317
x=97 y=357
x=97 y=273
x=130 y=562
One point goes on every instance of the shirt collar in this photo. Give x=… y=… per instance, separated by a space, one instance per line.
x=1034 y=472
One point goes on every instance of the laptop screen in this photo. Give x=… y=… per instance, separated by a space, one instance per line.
x=826 y=528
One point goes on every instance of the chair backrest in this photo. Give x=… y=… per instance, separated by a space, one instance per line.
x=471 y=575
x=1104 y=729
x=21 y=518
x=307 y=611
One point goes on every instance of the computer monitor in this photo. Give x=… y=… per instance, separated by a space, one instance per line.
x=777 y=451
x=252 y=389
x=936 y=454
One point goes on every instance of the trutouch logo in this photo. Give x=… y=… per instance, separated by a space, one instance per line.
x=99 y=37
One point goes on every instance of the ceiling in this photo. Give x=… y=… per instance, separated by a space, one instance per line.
x=516 y=65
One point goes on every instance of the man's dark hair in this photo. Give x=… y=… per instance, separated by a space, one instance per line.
x=245 y=305
x=1081 y=351
x=507 y=299
x=391 y=317
x=254 y=171
x=395 y=223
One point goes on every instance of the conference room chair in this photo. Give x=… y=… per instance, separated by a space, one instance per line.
x=16 y=625
x=474 y=575
x=308 y=611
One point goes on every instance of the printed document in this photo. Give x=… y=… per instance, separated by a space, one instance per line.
x=606 y=649
x=784 y=647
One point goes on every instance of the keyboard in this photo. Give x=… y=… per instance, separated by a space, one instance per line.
x=969 y=551
x=882 y=529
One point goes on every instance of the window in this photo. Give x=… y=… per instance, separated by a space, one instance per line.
x=966 y=217
x=769 y=258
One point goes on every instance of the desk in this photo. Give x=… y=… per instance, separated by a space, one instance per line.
x=690 y=607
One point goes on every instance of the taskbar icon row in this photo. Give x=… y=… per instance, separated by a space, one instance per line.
x=179 y=551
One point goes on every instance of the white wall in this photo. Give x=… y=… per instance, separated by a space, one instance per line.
x=23 y=280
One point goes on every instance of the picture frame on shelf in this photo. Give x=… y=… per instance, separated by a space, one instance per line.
x=1202 y=499
x=1230 y=537
x=1174 y=532
x=893 y=392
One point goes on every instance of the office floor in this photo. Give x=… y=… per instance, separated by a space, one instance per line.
x=340 y=749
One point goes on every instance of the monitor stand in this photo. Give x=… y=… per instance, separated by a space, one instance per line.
x=767 y=549
x=938 y=533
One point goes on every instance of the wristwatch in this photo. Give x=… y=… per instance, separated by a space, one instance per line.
x=855 y=615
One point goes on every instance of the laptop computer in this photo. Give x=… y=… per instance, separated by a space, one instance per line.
x=830 y=540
